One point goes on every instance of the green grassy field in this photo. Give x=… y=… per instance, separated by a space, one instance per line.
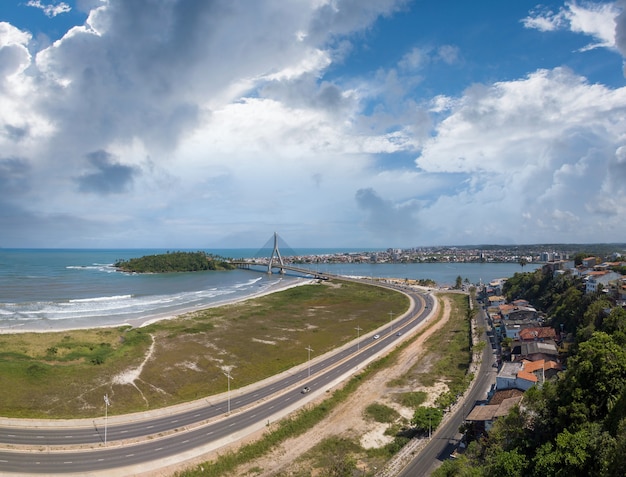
x=66 y=374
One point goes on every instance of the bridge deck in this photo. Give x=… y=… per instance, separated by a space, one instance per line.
x=282 y=267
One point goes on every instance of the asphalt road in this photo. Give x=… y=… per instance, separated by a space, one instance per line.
x=447 y=438
x=243 y=415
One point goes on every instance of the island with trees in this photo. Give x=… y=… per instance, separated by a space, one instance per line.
x=174 y=262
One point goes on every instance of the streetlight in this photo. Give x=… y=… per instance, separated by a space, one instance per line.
x=429 y=427
x=107 y=403
x=390 y=319
x=358 y=337
x=227 y=374
x=309 y=349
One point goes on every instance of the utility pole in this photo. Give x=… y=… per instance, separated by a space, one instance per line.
x=227 y=374
x=429 y=427
x=309 y=349
x=107 y=403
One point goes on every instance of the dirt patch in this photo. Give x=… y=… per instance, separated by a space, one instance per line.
x=130 y=375
x=269 y=342
x=348 y=420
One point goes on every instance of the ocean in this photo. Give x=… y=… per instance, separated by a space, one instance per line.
x=54 y=289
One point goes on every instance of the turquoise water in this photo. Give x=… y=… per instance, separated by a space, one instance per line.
x=59 y=289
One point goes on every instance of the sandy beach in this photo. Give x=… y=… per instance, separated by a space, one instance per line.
x=147 y=320
x=150 y=318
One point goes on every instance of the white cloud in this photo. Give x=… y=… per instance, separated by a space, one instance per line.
x=141 y=104
x=543 y=147
x=14 y=54
x=620 y=31
x=215 y=123
x=544 y=20
x=592 y=19
x=420 y=57
x=50 y=10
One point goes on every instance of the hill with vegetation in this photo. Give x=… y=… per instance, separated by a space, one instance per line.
x=575 y=424
x=174 y=262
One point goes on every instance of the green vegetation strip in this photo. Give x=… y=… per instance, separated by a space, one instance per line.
x=450 y=354
x=381 y=413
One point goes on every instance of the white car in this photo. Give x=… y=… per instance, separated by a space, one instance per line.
x=305 y=389
x=376 y=337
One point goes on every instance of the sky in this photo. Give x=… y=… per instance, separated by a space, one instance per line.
x=336 y=123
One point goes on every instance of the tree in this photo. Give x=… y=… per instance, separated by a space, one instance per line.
x=459 y=283
x=426 y=419
x=510 y=463
x=596 y=376
x=588 y=451
x=459 y=467
x=579 y=257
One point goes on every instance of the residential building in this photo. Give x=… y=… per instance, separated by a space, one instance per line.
x=483 y=417
x=534 y=351
x=525 y=374
x=596 y=278
x=537 y=333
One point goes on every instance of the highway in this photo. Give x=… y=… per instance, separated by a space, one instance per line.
x=203 y=427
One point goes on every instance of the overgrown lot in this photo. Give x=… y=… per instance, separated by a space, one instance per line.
x=448 y=355
x=66 y=374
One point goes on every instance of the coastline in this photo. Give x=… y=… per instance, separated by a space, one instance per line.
x=149 y=319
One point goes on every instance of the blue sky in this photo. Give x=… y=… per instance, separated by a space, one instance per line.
x=336 y=123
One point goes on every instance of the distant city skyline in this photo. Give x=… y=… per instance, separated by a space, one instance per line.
x=377 y=123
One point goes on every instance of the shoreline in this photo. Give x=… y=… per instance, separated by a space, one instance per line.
x=154 y=318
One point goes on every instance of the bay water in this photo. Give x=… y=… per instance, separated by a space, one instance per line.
x=56 y=289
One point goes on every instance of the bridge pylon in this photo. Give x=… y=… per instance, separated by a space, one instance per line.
x=276 y=252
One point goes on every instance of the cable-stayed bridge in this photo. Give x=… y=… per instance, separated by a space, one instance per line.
x=272 y=257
